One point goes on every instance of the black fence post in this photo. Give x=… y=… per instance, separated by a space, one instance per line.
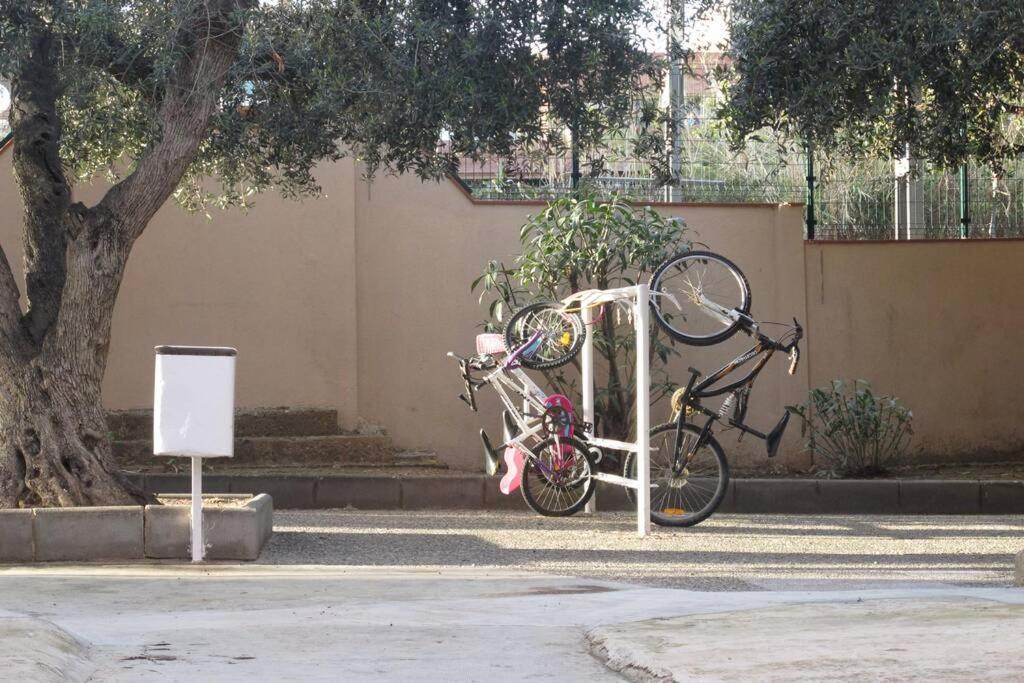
x=809 y=220
x=965 y=204
x=574 y=152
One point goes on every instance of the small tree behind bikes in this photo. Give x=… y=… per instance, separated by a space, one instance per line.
x=578 y=242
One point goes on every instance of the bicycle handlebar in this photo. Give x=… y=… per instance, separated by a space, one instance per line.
x=466 y=367
x=791 y=347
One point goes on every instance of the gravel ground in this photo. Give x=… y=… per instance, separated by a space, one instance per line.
x=728 y=552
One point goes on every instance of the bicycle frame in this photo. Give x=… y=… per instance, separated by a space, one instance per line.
x=509 y=380
x=702 y=390
x=764 y=348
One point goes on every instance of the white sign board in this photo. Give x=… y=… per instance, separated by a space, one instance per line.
x=194 y=401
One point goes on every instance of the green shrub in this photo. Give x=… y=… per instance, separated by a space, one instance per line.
x=851 y=432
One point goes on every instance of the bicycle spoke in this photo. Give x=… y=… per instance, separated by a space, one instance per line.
x=686 y=494
x=558 y=480
x=689 y=282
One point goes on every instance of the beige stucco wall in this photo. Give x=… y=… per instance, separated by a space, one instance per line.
x=277 y=282
x=419 y=246
x=938 y=324
x=352 y=300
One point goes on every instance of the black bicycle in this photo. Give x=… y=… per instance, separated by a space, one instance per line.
x=702 y=298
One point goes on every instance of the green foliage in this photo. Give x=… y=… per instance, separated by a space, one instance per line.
x=581 y=242
x=943 y=76
x=851 y=432
x=856 y=200
x=318 y=79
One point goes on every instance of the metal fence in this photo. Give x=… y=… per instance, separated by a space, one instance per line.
x=863 y=199
x=708 y=172
x=846 y=199
x=5 y=110
x=850 y=199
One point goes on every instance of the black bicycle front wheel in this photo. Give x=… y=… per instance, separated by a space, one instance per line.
x=558 y=478
x=689 y=497
x=557 y=335
x=681 y=288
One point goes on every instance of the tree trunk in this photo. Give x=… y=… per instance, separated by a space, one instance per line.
x=54 y=442
x=54 y=448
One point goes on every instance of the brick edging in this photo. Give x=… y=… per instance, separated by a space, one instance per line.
x=752 y=496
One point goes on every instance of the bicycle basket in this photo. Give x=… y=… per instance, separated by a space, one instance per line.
x=490 y=344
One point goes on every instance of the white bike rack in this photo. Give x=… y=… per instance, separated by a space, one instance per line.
x=638 y=299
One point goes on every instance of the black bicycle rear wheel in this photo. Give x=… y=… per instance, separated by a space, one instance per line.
x=691 y=496
x=676 y=290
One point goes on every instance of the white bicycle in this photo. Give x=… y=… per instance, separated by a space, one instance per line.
x=543 y=455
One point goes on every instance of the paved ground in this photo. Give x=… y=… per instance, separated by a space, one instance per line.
x=344 y=595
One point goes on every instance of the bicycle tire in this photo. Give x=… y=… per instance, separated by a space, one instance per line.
x=577 y=490
x=553 y=352
x=661 y=505
x=658 y=285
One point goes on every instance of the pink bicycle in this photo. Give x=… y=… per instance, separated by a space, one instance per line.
x=545 y=459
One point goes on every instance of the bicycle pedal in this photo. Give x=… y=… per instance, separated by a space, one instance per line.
x=774 y=437
x=492 y=461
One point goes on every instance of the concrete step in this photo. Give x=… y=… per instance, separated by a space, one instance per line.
x=336 y=450
x=135 y=425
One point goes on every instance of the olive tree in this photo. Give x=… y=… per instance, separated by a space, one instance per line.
x=173 y=99
x=942 y=76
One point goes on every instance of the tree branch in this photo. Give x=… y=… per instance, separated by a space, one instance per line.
x=210 y=38
x=128 y=64
x=12 y=333
x=44 y=188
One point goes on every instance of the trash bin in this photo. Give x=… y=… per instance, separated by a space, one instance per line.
x=194 y=401
x=194 y=414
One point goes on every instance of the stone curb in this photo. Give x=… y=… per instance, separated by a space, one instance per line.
x=229 y=533
x=16 y=539
x=749 y=496
x=95 y=533
x=133 y=532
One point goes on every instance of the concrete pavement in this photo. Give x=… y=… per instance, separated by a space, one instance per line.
x=356 y=596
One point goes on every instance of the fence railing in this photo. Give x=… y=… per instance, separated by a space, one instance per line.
x=5 y=111
x=864 y=200
x=707 y=171
x=851 y=199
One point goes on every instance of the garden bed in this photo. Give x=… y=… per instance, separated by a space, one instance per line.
x=235 y=527
x=1004 y=470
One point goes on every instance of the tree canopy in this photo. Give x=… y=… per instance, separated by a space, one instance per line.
x=944 y=76
x=316 y=79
